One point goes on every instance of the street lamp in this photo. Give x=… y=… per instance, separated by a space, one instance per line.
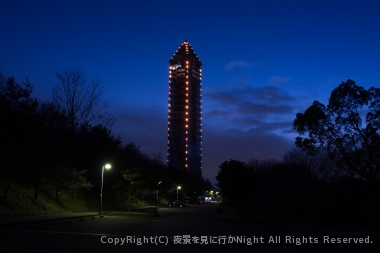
x=107 y=167
x=178 y=188
x=158 y=183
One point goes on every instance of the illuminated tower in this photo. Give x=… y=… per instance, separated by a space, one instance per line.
x=185 y=111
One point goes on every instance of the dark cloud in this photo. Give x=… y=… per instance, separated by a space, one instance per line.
x=237 y=64
x=246 y=122
x=227 y=98
x=278 y=80
x=250 y=107
x=279 y=126
x=269 y=94
x=219 y=113
x=259 y=143
x=265 y=94
x=249 y=120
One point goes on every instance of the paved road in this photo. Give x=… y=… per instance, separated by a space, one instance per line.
x=197 y=228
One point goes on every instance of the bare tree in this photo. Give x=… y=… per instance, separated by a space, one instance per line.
x=80 y=99
x=314 y=166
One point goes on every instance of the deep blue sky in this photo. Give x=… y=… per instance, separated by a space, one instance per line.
x=263 y=61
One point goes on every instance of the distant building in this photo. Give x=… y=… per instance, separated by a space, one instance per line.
x=184 y=150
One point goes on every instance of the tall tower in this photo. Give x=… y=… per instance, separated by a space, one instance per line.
x=184 y=148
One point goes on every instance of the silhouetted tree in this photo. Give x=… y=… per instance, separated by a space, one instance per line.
x=307 y=173
x=309 y=167
x=68 y=180
x=55 y=149
x=16 y=97
x=235 y=181
x=17 y=111
x=80 y=99
x=351 y=137
x=135 y=182
x=338 y=129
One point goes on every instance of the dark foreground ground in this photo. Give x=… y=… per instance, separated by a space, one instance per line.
x=195 y=229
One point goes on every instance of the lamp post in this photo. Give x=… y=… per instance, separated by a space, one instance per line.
x=107 y=167
x=157 y=198
x=178 y=188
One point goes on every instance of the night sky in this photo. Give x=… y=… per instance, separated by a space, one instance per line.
x=263 y=61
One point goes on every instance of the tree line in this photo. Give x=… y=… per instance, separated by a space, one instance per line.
x=333 y=173
x=59 y=147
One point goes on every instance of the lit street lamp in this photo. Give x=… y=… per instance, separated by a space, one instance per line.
x=157 y=198
x=178 y=188
x=107 y=167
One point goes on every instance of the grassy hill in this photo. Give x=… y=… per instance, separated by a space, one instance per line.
x=21 y=201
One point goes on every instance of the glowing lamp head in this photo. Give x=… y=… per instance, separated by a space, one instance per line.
x=107 y=166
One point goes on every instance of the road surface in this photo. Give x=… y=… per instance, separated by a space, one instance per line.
x=194 y=229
